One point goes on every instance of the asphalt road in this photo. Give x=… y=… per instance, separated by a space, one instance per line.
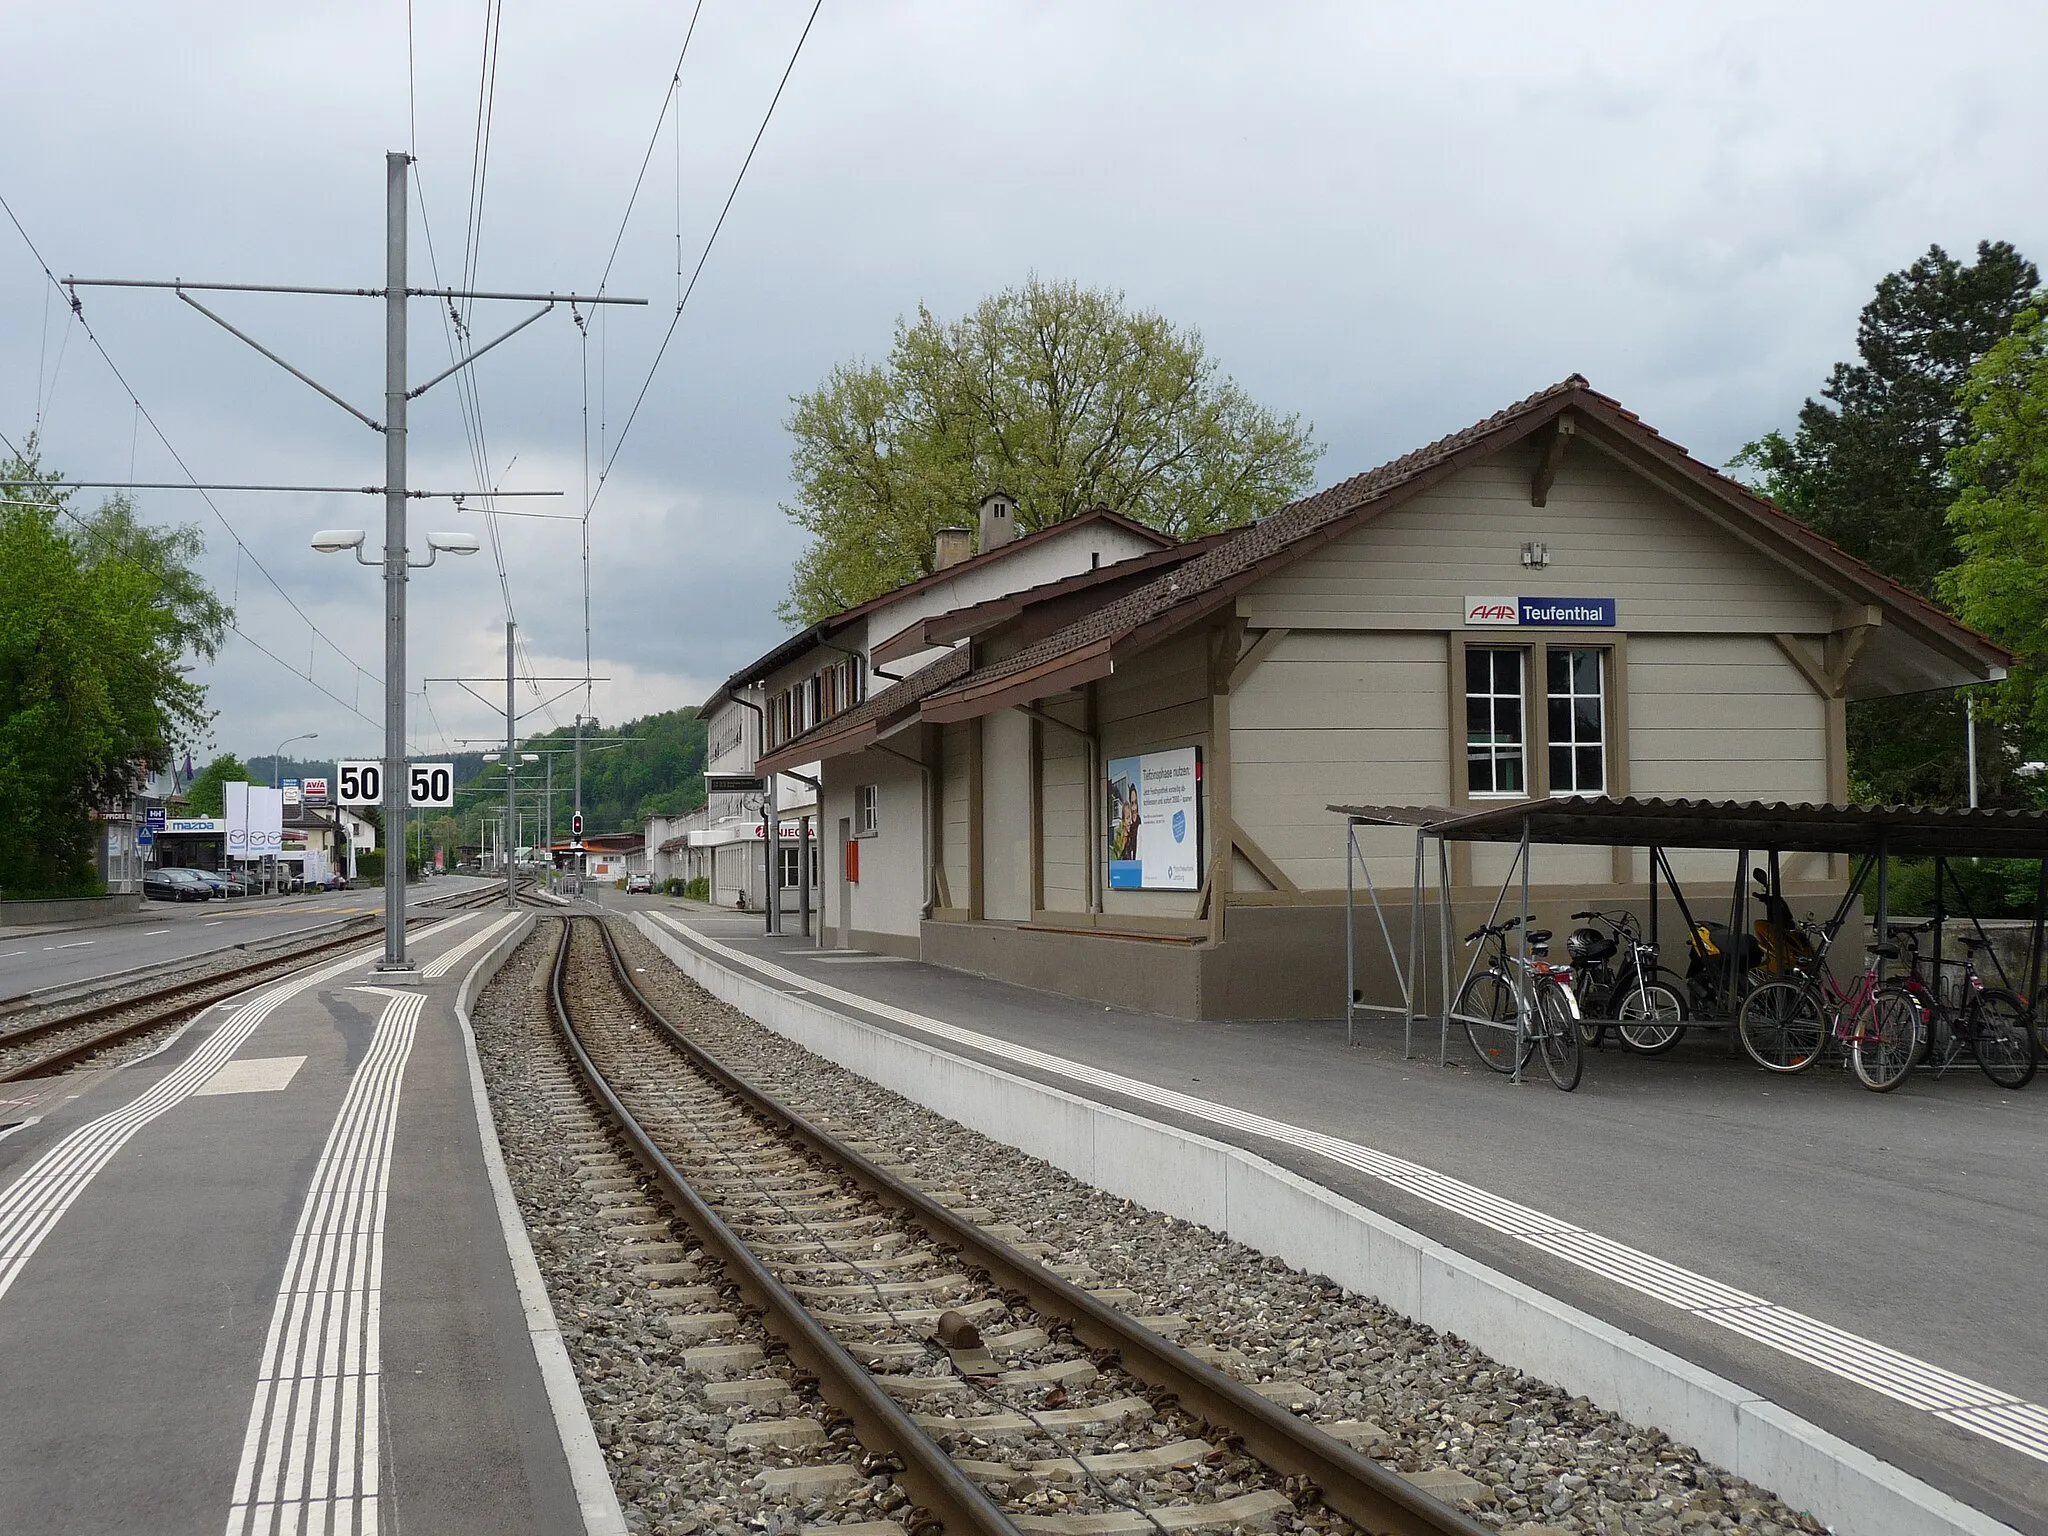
x=1914 y=1219
x=178 y=931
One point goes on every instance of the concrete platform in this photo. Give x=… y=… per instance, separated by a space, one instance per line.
x=1799 y=1261
x=260 y=1280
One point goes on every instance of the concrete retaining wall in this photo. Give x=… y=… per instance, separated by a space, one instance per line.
x=67 y=909
x=1278 y=1212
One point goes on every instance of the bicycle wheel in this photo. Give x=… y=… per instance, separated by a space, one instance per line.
x=1783 y=1026
x=2002 y=1036
x=1886 y=1041
x=1488 y=996
x=1651 y=1014
x=1558 y=1036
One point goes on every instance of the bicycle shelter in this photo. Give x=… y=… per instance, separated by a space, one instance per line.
x=1869 y=836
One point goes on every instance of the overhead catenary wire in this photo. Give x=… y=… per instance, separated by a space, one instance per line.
x=704 y=255
x=241 y=545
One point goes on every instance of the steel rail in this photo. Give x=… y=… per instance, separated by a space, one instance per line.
x=1354 y=1485
x=931 y=1475
x=172 y=1003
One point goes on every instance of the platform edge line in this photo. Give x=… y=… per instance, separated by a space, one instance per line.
x=596 y=1500
x=1808 y=1466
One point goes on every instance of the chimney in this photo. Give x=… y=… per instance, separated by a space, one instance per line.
x=998 y=521
x=953 y=547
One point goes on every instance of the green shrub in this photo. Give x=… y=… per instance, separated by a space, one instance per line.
x=698 y=889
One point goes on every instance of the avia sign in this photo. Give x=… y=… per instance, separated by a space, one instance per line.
x=1541 y=612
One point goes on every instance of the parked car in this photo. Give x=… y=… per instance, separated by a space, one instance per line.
x=640 y=885
x=175 y=885
x=215 y=882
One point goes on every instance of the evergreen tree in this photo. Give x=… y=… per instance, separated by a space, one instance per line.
x=1868 y=466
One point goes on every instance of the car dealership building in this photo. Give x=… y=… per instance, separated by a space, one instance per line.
x=1100 y=762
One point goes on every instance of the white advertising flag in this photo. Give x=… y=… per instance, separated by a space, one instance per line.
x=266 y=821
x=238 y=821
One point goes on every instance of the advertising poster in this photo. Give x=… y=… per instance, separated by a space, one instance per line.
x=236 y=794
x=1154 y=804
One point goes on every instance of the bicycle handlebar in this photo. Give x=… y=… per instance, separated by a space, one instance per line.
x=1507 y=927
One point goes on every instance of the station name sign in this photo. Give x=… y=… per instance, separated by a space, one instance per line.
x=1541 y=612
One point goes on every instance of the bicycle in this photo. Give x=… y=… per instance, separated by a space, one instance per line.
x=1785 y=1024
x=1991 y=1021
x=1498 y=1007
x=1643 y=1001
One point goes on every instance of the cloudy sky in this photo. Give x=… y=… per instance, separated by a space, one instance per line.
x=1392 y=219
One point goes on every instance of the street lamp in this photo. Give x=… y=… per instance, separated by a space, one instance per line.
x=395 y=565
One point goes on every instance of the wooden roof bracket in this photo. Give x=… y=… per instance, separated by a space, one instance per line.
x=1552 y=457
x=1847 y=643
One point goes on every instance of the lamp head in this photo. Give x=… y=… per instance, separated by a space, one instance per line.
x=454 y=543
x=332 y=541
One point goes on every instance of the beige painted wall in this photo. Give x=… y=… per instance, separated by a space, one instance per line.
x=1343 y=717
x=1608 y=533
x=1064 y=798
x=1155 y=701
x=955 y=827
x=1006 y=816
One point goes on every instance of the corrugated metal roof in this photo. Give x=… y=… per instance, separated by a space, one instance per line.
x=1907 y=831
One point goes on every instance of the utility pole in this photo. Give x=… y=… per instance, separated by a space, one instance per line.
x=576 y=853
x=396 y=561
x=511 y=772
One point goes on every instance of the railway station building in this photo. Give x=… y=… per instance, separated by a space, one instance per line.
x=1099 y=762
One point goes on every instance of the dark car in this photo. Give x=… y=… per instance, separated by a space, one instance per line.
x=175 y=885
x=216 y=883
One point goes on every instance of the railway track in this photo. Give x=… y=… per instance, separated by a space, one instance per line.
x=975 y=1375
x=61 y=1041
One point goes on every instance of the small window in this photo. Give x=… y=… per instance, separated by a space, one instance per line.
x=1494 y=751
x=792 y=866
x=1578 y=722
x=867 y=810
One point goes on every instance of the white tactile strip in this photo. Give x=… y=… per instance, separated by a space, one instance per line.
x=309 y=1456
x=37 y=1200
x=1986 y=1411
x=435 y=969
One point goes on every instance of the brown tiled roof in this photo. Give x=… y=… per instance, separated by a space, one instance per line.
x=1185 y=594
x=805 y=638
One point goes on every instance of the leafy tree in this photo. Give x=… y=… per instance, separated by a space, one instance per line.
x=1868 y=466
x=2000 y=516
x=96 y=614
x=207 y=794
x=1062 y=396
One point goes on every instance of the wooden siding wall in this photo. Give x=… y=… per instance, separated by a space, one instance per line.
x=955 y=757
x=1063 y=787
x=1342 y=717
x=1006 y=816
x=1608 y=533
x=1155 y=701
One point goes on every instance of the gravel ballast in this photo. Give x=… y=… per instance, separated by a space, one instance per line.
x=1433 y=1407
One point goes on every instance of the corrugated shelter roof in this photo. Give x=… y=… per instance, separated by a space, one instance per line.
x=1187 y=593
x=1905 y=831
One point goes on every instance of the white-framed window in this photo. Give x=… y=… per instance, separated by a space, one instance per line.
x=1496 y=725
x=867 y=810
x=1576 y=685
x=790 y=865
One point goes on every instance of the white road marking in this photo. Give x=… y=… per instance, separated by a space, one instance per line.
x=309 y=1455
x=448 y=962
x=1984 y=1410
x=48 y=1187
x=75 y=944
x=151 y=933
x=253 y=1074
x=19 y=1125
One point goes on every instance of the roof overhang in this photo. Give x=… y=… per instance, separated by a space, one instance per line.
x=1057 y=675
x=1906 y=831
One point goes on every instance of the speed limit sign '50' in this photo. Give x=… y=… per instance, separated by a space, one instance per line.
x=429 y=786
x=359 y=783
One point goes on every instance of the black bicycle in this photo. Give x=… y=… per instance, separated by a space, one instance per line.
x=1619 y=985
x=1530 y=1000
